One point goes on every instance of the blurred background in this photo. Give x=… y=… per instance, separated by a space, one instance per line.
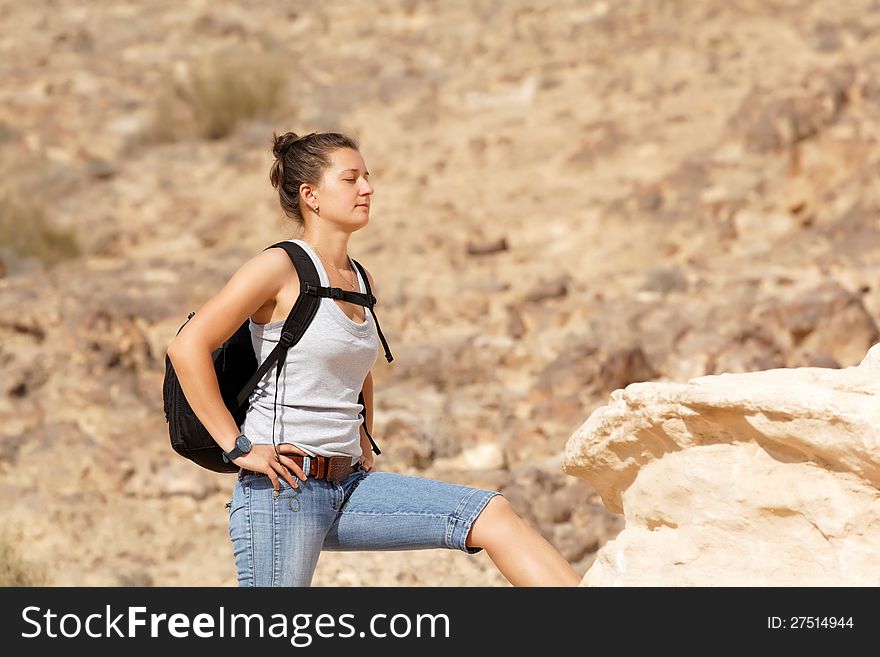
x=570 y=197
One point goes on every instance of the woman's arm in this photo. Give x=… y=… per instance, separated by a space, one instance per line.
x=255 y=284
x=367 y=455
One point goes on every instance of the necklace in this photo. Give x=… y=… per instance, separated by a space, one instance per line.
x=351 y=285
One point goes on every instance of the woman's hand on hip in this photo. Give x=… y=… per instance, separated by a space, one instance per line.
x=262 y=458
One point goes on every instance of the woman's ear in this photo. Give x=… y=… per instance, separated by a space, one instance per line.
x=307 y=193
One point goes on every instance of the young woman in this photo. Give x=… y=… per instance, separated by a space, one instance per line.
x=318 y=489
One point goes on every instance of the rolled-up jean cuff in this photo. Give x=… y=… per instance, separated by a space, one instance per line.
x=462 y=520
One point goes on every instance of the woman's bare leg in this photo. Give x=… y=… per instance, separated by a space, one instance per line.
x=522 y=555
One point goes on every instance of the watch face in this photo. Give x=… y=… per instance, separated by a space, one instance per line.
x=243 y=444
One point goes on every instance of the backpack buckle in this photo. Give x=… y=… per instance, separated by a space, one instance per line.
x=373 y=300
x=286 y=339
x=309 y=288
x=335 y=293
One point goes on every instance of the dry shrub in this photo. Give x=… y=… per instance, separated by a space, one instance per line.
x=27 y=232
x=210 y=97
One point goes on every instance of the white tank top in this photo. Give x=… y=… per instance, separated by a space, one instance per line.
x=323 y=374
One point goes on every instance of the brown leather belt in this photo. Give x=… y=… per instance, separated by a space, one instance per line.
x=331 y=468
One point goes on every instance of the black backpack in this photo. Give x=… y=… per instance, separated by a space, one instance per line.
x=235 y=364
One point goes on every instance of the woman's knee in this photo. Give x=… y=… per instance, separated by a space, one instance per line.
x=495 y=516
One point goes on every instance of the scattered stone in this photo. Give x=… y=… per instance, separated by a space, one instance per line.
x=487 y=248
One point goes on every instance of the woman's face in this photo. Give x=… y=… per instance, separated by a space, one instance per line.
x=345 y=192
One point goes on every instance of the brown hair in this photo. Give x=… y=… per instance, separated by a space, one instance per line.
x=301 y=160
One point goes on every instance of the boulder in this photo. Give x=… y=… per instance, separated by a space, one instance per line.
x=747 y=479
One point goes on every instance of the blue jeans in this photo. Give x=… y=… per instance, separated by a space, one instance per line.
x=277 y=538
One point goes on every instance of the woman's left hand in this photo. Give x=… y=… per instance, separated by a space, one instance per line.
x=366 y=462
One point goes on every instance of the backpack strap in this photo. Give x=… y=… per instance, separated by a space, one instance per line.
x=301 y=315
x=369 y=294
x=388 y=356
x=358 y=298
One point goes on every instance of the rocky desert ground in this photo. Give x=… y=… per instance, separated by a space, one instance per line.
x=571 y=197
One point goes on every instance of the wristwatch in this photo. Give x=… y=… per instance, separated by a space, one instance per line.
x=242 y=447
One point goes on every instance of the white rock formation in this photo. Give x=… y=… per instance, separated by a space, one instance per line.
x=756 y=479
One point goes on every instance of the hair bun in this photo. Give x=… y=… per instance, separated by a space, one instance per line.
x=282 y=143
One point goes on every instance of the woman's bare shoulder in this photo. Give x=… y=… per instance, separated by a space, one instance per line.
x=275 y=260
x=268 y=269
x=256 y=282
